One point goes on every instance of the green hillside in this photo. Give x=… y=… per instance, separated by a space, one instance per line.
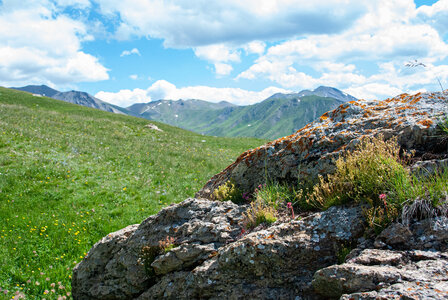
x=277 y=116
x=69 y=175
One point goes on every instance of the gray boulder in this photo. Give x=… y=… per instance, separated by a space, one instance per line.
x=311 y=151
x=212 y=258
x=386 y=275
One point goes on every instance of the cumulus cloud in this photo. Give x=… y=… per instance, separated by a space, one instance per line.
x=162 y=89
x=185 y=23
x=219 y=55
x=255 y=47
x=390 y=33
x=129 y=52
x=436 y=15
x=44 y=47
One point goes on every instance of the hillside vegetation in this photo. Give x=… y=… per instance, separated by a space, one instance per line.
x=277 y=116
x=69 y=175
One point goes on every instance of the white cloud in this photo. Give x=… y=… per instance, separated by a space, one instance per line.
x=217 y=53
x=435 y=15
x=133 y=76
x=373 y=91
x=162 y=89
x=124 y=98
x=185 y=23
x=223 y=69
x=255 y=47
x=75 y=3
x=382 y=39
x=129 y=52
x=44 y=46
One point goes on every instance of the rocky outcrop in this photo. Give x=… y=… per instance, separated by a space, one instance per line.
x=212 y=257
x=200 y=249
x=385 y=274
x=418 y=271
x=312 y=150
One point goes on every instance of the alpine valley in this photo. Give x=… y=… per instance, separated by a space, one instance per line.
x=276 y=116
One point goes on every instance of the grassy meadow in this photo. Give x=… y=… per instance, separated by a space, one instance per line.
x=69 y=175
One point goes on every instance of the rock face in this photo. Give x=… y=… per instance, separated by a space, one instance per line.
x=211 y=257
x=385 y=274
x=312 y=150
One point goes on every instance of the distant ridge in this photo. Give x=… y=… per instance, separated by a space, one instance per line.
x=276 y=116
x=76 y=97
x=326 y=91
x=38 y=89
x=279 y=115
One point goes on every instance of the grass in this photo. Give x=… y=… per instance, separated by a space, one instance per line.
x=69 y=175
x=373 y=174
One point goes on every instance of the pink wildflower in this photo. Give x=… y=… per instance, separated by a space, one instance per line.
x=289 y=204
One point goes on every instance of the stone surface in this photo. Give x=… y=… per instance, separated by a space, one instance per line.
x=312 y=149
x=113 y=268
x=377 y=274
x=213 y=259
x=153 y=127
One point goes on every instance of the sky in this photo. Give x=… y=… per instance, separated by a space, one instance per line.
x=129 y=51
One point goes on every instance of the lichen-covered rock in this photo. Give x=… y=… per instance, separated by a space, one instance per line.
x=115 y=269
x=211 y=257
x=429 y=233
x=386 y=274
x=312 y=150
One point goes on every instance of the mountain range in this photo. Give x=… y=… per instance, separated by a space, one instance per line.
x=276 y=116
x=76 y=97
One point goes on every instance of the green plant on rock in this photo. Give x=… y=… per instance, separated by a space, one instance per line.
x=378 y=217
x=343 y=251
x=149 y=253
x=259 y=212
x=275 y=194
x=228 y=191
x=374 y=174
x=361 y=175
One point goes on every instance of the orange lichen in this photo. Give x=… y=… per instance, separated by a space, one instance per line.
x=407 y=107
x=324 y=116
x=424 y=113
x=427 y=122
x=416 y=99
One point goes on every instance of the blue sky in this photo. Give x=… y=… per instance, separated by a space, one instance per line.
x=127 y=51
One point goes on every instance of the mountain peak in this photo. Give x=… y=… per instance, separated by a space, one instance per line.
x=38 y=89
x=327 y=91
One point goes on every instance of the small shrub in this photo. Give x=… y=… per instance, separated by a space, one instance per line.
x=342 y=253
x=149 y=253
x=228 y=191
x=378 y=217
x=258 y=213
x=274 y=194
x=361 y=175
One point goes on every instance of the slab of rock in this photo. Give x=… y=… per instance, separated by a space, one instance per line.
x=113 y=268
x=375 y=273
x=312 y=150
x=212 y=258
x=153 y=127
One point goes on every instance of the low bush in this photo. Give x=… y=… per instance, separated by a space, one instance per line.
x=375 y=174
x=361 y=175
x=259 y=212
x=150 y=253
x=228 y=191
